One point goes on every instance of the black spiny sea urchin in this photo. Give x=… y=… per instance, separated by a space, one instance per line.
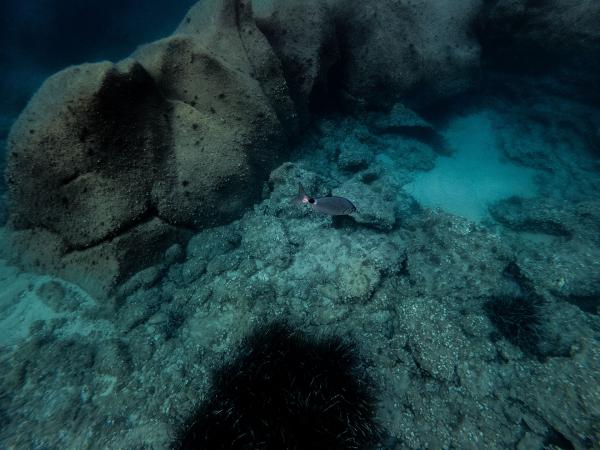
x=518 y=318
x=285 y=390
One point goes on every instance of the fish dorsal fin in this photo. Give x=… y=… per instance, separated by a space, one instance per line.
x=301 y=197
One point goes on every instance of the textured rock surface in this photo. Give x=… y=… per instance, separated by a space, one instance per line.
x=417 y=51
x=413 y=298
x=303 y=35
x=399 y=119
x=228 y=33
x=182 y=135
x=233 y=111
x=557 y=37
x=84 y=159
x=551 y=26
x=116 y=162
x=373 y=53
x=572 y=233
x=375 y=208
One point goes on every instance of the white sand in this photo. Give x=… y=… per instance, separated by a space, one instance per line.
x=465 y=183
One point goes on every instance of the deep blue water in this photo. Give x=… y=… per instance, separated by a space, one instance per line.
x=458 y=307
x=41 y=37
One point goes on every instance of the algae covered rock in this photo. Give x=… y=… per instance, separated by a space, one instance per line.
x=235 y=53
x=563 y=37
x=86 y=152
x=563 y=229
x=110 y=164
x=354 y=155
x=400 y=119
x=374 y=208
x=303 y=35
x=373 y=53
x=416 y=51
x=553 y=27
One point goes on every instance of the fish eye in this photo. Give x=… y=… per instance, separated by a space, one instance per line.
x=311 y=200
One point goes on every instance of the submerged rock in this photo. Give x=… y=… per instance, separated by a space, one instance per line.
x=110 y=164
x=354 y=155
x=407 y=123
x=374 y=208
x=551 y=26
x=417 y=52
x=303 y=35
x=532 y=216
x=561 y=36
x=563 y=229
x=84 y=160
x=399 y=119
x=117 y=162
x=372 y=53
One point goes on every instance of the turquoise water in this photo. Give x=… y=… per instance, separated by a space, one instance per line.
x=161 y=289
x=475 y=175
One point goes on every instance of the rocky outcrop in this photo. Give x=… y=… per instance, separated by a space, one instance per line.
x=112 y=163
x=419 y=52
x=374 y=53
x=557 y=40
x=303 y=35
x=86 y=153
x=552 y=27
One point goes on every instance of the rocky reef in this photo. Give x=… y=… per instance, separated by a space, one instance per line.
x=478 y=335
x=111 y=164
x=554 y=43
x=151 y=236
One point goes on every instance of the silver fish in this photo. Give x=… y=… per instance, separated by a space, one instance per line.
x=334 y=206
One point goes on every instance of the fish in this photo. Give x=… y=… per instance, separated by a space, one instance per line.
x=332 y=205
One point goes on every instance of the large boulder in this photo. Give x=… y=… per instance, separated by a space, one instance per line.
x=109 y=164
x=303 y=35
x=373 y=53
x=560 y=38
x=85 y=160
x=87 y=151
x=233 y=112
x=418 y=52
x=227 y=30
x=551 y=28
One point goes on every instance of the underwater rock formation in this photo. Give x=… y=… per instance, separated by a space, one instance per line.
x=303 y=35
x=552 y=26
x=110 y=164
x=419 y=52
x=564 y=36
x=374 y=53
x=413 y=297
x=567 y=227
x=83 y=169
